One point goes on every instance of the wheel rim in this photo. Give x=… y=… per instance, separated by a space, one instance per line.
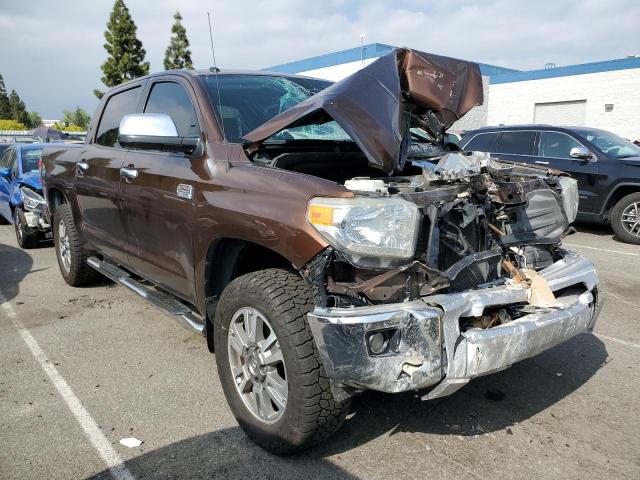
x=257 y=365
x=63 y=245
x=631 y=219
x=18 y=224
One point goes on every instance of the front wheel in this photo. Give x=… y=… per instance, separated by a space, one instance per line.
x=25 y=237
x=625 y=218
x=268 y=363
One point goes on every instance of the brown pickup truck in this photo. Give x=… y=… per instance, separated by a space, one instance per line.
x=325 y=238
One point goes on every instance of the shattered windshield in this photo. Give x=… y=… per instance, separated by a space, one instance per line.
x=247 y=101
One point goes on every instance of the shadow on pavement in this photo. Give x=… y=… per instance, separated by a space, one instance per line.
x=598 y=229
x=225 y=454
x=487 y=404
x=15 y=264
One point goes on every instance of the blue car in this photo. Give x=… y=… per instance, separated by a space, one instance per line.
x=21 y=201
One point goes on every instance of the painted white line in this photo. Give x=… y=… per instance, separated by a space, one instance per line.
x=617 y=340
x=602 y=249
x=102 y=445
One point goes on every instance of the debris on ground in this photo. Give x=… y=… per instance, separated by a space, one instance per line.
x=131 y=442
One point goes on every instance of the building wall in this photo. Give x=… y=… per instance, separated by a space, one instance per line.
x=514 y=102
x=338 y=72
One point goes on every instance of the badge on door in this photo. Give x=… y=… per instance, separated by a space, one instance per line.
x=185 y=191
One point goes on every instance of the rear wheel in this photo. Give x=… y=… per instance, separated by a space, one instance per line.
x=72 y=256
x=24 y=235
x=625 y=218
x=268 y=363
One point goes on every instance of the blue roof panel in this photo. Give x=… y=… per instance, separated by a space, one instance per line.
x=584 y=68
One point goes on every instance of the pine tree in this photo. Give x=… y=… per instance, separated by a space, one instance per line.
x=126 y=55
x=178 y=54
x=5 y=111
x=17 y=109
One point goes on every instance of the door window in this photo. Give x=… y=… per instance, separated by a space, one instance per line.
x=556 y=145
x=118 y=105
x=172 y=99
x=481 y=143
x=516 y=143
x=4 y=160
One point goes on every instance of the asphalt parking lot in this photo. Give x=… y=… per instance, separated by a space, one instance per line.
x=81 y=369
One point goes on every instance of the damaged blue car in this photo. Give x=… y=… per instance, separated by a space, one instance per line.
x=21 y=201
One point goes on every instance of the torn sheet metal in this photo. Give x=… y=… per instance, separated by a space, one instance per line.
x=376 y=105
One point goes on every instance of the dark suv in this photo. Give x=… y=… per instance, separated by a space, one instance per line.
x=604 y=164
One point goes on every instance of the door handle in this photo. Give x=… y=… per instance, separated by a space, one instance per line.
x=540 y=162
x=129 y=172
x=82 y=166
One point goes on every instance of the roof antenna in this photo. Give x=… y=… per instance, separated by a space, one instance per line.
x=216 y=70
x=362 y=49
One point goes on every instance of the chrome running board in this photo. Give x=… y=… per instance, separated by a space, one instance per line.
x=164 y=301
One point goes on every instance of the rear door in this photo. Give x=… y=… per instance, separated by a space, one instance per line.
x=158 y=202
x=98 y=179
x=553 y=150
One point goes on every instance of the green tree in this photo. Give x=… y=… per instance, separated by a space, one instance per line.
x=17 y=109
x=126 y=55
x=35 y=120
x=5 y=112
x=76 y=117
x=178 y=54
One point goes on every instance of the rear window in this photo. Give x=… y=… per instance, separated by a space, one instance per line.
x=481 y=142
x=516 y=143
x=119 y=105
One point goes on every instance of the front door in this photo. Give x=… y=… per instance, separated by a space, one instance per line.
x=157 y=198
x=554 y=150
x=98 y=178
x=6 y=161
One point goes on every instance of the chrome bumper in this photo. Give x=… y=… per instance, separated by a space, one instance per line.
x=430 y=348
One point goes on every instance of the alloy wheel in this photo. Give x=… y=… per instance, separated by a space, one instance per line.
x=63 y=245
x=257 y=365
x=631 y=219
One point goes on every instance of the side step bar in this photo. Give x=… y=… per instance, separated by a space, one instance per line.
x=162 y=300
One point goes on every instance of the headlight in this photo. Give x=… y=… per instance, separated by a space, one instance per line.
x=371 y=227
x=30 y=199
x=570 y=198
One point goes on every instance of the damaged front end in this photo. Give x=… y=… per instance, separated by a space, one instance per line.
x=443 y=265
x=488 y=283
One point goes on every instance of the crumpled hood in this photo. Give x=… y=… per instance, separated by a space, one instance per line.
x=32 y=179
x=377 y=104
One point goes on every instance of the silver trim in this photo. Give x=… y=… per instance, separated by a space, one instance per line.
x=129 y=172
x=148 y=124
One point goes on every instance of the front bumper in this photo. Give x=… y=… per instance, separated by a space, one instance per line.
x=432 y=350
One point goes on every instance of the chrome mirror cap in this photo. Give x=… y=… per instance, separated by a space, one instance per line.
x=148 y=125
x=581 y=153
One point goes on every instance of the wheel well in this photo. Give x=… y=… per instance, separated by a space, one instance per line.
x=227 y=259
x=620 y=193
x=56 y=197
x=230 y=258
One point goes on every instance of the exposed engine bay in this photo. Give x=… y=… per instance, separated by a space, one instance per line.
x=481 y=223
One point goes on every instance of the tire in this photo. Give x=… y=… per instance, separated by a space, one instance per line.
x=624 y=216
x=311 y=414
x=72 y=257
x=26 y=238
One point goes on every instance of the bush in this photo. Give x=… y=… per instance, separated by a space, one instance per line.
x=12 y=125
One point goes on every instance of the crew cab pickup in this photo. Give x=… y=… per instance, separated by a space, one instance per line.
x=325 y=238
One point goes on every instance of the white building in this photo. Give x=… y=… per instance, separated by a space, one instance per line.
x=600 y=94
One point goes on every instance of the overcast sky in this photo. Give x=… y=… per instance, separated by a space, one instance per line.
x=51 y=52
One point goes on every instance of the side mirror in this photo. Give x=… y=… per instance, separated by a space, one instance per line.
x=5 y=173
x=581 y=153
x=154 y=131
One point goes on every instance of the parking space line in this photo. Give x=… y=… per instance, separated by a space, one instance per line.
x=602 y=249
x=102 y=445
x=617 y=340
